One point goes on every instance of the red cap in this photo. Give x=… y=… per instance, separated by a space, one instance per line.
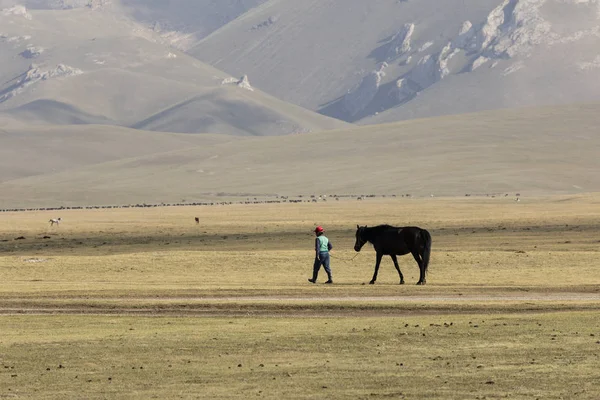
x=319 y=229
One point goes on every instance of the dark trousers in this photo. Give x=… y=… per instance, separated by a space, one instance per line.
x=324 y=261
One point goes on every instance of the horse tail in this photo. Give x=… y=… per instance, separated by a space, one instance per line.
x=426 y=237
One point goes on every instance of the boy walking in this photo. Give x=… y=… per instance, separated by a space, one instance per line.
x=322 y=247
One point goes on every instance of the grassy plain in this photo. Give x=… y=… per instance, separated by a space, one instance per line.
x=144 y=303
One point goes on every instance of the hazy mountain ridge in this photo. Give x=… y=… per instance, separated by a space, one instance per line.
x=88 y=62
x=368 y=62
x=82 y=84
x=364 y=62
x=480 y=153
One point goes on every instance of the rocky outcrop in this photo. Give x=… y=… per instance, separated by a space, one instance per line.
x=358 y=99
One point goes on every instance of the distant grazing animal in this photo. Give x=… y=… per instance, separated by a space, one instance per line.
x=197 y=220
x=55 y=221
x=392 y=241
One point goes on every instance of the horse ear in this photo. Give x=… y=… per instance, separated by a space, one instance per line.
x=357 y=226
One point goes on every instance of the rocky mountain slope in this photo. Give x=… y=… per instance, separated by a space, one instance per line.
x=90 y=63
x=389 y=60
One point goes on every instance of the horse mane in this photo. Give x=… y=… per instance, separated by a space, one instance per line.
x=378 y=228
x=373 y=231
x=383 y=227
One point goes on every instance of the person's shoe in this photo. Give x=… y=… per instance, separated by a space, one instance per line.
x=329 y=281
x=311 y=280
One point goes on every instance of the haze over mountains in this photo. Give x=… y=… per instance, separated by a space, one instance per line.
x=365 y=62
x=74 y=64
x=352 y=59
x=95 y=77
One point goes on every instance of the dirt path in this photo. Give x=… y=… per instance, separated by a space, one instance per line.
x=574 y=296
x=302 y=306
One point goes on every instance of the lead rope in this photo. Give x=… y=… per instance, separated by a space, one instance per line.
x=344 y=260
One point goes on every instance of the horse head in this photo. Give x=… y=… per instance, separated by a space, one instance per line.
x=360 y=239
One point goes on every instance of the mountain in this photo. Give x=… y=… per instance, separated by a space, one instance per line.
x=76 y=62
x=501 y=151
x=382 y=61
x=100 y=99
x=184 y=22
x=154 y=64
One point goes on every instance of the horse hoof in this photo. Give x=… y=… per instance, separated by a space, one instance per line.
x=372 y=283
x=402 y=282
x=420 y=283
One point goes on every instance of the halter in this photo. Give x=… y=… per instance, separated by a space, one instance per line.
x=360 y=239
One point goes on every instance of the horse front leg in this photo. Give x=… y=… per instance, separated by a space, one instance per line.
x=395 y=260
x=421 y=268
x=377 y=262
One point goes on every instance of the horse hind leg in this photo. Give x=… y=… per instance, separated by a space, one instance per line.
x=395 y=260
x=421 y=267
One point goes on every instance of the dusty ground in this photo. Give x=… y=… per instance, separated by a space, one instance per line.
x=136 y=304
x=256 y=258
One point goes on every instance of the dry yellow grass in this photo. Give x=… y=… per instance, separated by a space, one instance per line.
x=477 y=241
x=545 y=356
x=189 y=303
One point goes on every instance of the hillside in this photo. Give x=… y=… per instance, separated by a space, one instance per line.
x=44 y=150
x=389 y=60
x=72 y=64
x=532 y=151
x=184 y=22
x=99 y=99
x=147 y=62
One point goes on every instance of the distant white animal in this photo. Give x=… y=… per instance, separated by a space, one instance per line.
x=55 y=221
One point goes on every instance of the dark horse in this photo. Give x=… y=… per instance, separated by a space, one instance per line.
x=393 y=241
